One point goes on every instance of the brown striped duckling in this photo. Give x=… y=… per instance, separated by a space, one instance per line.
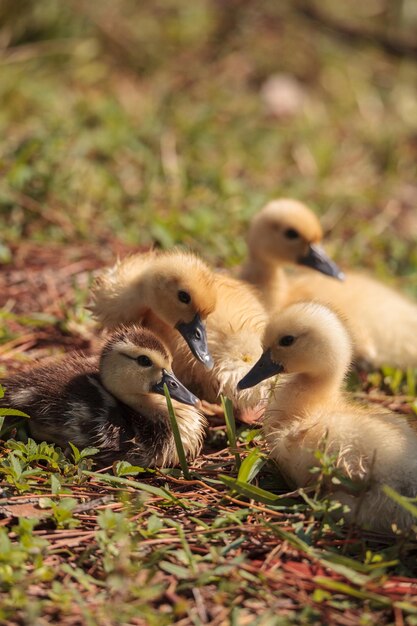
x=162 y=291
x=308 y=344
x=152 y=289
x=284 y=232
x=115 y=402
x=380 y=320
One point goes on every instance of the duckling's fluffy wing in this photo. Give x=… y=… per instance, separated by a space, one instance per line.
x=370 y=448
x=65 y=400
x=358 y=438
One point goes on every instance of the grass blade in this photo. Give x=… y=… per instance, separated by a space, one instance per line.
x=231 y=428
x=177 y=436
x=12 y=412
x=8 y=425
x=251 y=466
x=135 y=484
x=251 y=491
x=343 y=588
x=401 y=500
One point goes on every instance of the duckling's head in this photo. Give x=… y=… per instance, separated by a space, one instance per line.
x=286 y=231
x=305 y=338
x=182 y=293
x=134 y=362
x=176 y=287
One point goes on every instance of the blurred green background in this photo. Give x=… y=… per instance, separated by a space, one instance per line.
x=172 y=121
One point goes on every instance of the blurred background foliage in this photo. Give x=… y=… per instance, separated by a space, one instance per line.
x=172 y=121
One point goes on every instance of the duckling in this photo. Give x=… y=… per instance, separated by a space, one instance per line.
x=162 y=291
x=310 y=346
x=234 y=335
x=380 y=320
x=151 y=289
x=283 y=232
x=114 y=402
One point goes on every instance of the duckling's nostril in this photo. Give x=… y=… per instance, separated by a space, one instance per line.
x=173 y=384
x=198 y=334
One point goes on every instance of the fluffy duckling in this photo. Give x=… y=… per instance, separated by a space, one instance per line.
x=234 y=335
x=115 y=402
x=284 y=232
x=380 y=320
x=154 y=288
x=162 y=291
x=309 y=344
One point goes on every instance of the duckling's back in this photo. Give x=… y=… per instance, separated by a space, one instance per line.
x=382 y=321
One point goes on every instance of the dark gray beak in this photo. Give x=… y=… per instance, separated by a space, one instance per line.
x=177 y=391
x=194 y=333
x=317 y=259
x=263 y=369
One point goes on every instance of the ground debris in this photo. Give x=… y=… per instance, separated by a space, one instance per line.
x=199 y=554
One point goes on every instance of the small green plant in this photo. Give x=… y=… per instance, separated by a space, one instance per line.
x=123 y=468
x=22 y=561
x=22 y=463
x=81 y=455
x=5 y=428
x=61 y=510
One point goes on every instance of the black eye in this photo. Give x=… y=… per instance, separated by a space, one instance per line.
x=144 y=361
x=184 y=296
x=288 y=340
x=291 y=233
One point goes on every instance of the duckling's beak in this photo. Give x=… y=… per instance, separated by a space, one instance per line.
x=194 y=333
x=177 y=391
x=263 y=369
x=318 y=260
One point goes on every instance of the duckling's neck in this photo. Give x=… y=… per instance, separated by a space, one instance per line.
x=142 y=403
x=166 y=334
x=300 y=394
x=153 y=407
x=268 y=277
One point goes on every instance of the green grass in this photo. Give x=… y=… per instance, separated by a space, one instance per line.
x=145 y=123
x=166 y=138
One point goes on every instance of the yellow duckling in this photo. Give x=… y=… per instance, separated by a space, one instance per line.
x=152 y=289
x=380 y=320
x=234 y=336
x=284 y=232
x=162 y=291
x=309 y=345
x=115 y=402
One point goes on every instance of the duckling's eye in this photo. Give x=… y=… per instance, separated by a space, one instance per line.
x=291 y=233
x=288 y=340
x=144 y=361
x=184 y=296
